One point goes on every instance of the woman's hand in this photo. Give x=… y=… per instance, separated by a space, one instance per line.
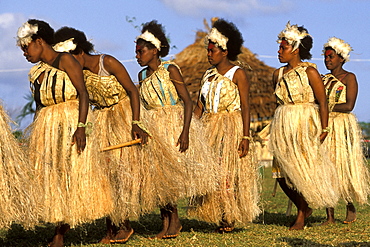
x=323 y=136
x=183 y=141
x=243 y=148
x=137 y=132
x=79 y=138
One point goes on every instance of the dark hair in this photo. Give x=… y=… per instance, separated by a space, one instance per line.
x=339 y=55
x=305 y=46
x=79 y=38
x=158 y=31
x=235 y=39
x=44 y=31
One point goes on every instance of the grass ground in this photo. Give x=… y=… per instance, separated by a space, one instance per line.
x=270 y=229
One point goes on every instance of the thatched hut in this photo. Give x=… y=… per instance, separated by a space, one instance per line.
x=193 y=63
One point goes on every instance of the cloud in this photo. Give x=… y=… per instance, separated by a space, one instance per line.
x=237 y=8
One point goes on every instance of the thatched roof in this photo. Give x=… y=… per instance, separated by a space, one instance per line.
x=193 y=63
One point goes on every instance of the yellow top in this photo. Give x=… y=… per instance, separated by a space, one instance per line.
x=104 y=91
x=335 y=90
x=55 y=88
x=219 y=93
x=157 y=90
x=294 y=87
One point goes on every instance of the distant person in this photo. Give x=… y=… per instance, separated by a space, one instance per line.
x=116 y=104
x=72 y=185
x=224 y=109
x=344 y=139
x=176 y=162
x=299 y=126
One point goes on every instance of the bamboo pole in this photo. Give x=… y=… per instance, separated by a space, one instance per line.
x=129 y=143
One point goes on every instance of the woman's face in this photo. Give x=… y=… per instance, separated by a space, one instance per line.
x=32 y=51
x=144 y=55
x=285 y=52
x=215 y=54
x=332 y=60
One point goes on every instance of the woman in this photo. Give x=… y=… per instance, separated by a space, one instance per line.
x=178 y=164
x=74 y=188
x=298 y=127
x=344 y=140
x=109 y=84
x=224 y=109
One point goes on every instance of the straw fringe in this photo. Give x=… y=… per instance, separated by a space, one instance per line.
x=74 y=188
x=113 y=126
x=294 y=142
x=17 y=201
x=237 y=196
x=169 y=175
x=344 y=143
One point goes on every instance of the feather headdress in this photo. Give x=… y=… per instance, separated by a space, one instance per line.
x=148 y=36
x=340 y=47
x=216 y=37
x=65 y=46
x=25 y=32
x=292 y=35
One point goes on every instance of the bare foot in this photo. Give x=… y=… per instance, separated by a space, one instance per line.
x=165 y=224
x=351 y=214
x=175 y=225
x=299 y=222
x=297 y=226
x=122 y=236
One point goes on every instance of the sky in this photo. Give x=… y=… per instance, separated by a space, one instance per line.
x=113 y=25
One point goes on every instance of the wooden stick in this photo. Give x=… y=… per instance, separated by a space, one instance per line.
x=274 y=189
x=129 y=143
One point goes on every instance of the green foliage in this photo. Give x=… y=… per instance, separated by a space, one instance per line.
x=270 y=229
x=365 y=129
x=28 y=109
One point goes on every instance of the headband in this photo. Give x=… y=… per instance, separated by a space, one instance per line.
x=25 y=32
x=65 y=46
x=292 y=35
x=340 y=47
x=149 y=37
x=216 y=37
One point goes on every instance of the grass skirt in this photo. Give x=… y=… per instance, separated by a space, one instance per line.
x=113 y=126
x=237 y=196
x=74 y=188
x=344 y=143
x=295 y=144
x=17 y=202
x=167 y=174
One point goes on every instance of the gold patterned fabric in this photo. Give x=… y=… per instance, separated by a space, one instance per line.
x=295 y=143
x=294 y=87
x=219 y=93
x=335 y=90
x=157 y=90
x=236 y=198
x=104 y=91
x=344 y=143
x=56 y=87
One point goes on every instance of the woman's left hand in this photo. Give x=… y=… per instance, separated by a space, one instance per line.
x=183 y=142
x=79 y=138
x=243 y=148
x=323 y=136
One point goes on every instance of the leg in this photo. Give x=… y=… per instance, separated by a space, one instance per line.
x=124 y=233
x=165 y=223
x=58 y=238
x=111 y=229
x=330 y=217
x=175 y=225
x=303 y=210
x=351 y=213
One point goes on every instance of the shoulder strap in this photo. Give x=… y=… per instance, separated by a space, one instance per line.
x=55 y=64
